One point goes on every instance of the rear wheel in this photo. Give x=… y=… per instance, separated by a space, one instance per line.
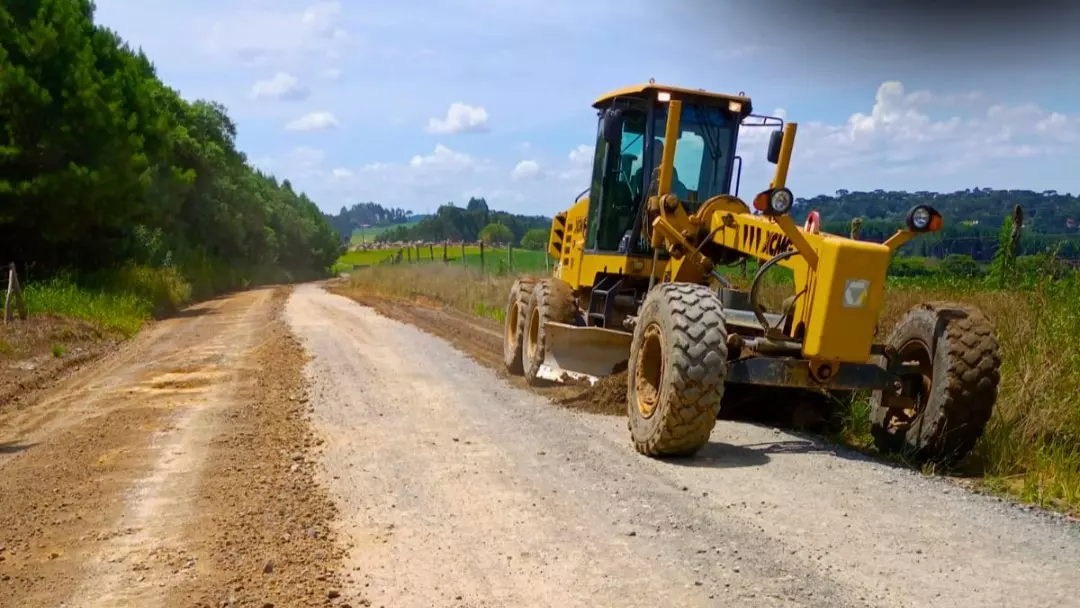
x=517 y=306
x=677 y=367
x=947 y=393
x=552 y=300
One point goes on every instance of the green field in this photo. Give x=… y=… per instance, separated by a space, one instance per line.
x=495 y=261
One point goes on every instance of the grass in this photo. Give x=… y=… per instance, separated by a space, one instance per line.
x=122 y=300
x=493 y=261
x=1031 y=448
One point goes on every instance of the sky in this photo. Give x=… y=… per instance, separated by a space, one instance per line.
x=415 y=103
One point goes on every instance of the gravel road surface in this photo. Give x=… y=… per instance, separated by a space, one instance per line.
x=455 y=488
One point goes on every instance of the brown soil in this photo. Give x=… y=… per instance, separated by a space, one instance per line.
x=263 y=523
x=39 y=351
x=175 y=472
x=607 y=396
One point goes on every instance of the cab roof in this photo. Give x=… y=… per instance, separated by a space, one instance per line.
x=650 y=89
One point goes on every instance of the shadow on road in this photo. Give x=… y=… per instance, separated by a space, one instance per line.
x=723 y=456
x=196 y=311
x=15 y=448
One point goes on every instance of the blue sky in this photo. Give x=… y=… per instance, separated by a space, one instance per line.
x=414 y=103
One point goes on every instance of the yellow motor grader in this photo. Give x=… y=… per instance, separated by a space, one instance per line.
x=637 y=288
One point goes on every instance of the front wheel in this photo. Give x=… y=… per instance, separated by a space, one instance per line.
x=677 y=367
x=517 y=306
x=552 y=300
x=947 y=391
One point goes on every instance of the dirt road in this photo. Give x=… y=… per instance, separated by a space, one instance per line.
x=458 y=489
x=214 y=462
x=174 y=473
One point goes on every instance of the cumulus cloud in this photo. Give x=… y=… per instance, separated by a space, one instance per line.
x=282 y=86
x=921 y=134
x=315 y=121
x=460 y=118
x=526 y=169
x=899 y=138
x=582 y=154
x=443 y=158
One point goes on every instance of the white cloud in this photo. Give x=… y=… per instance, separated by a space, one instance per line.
x=913 y=134
x=526 y=169
x=315 y=121
x=582 y=154
x=282 y=86
x=460 y=118
x=342 y=173
x=330 y=74
x=443 y=158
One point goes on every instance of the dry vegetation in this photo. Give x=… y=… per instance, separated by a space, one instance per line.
x=1031 y=449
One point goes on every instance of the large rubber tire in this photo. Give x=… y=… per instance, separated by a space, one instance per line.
x=517 y=306
x=953 y=391
x=677 y=367
x=552 y=300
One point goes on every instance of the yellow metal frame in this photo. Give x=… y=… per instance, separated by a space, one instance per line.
x=839 y=282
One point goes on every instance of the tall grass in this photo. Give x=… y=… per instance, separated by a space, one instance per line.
x=493 y=261
x=121 y=300
x=459 y=287
x=1031 y=448
x=124 y=299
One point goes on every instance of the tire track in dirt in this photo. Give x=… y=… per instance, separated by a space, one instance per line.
x=172 y=473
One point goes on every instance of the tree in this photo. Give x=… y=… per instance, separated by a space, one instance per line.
x=496 y=233
x=536 y=239
x=101 y=164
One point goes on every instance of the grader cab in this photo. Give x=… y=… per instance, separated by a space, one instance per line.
x=637 y=287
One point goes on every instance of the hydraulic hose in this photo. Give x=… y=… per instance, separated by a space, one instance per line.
x=760 y=314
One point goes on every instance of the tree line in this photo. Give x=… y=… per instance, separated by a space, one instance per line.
x=973 y=219
x=349 y=219
x=102 y=164
x=474 y=222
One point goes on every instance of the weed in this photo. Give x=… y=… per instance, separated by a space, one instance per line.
x=58 y=350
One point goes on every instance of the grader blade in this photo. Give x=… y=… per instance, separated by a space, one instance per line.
x=583 y=353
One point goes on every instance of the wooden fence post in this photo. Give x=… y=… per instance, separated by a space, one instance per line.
x=1017 y=226
x=481 y=257
x=445 y=259
x=856 y=227
x=431 y=251
x=14 y=296
x=463 y=254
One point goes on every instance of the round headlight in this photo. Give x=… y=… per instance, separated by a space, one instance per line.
x=780 y=201
x=920 y=218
